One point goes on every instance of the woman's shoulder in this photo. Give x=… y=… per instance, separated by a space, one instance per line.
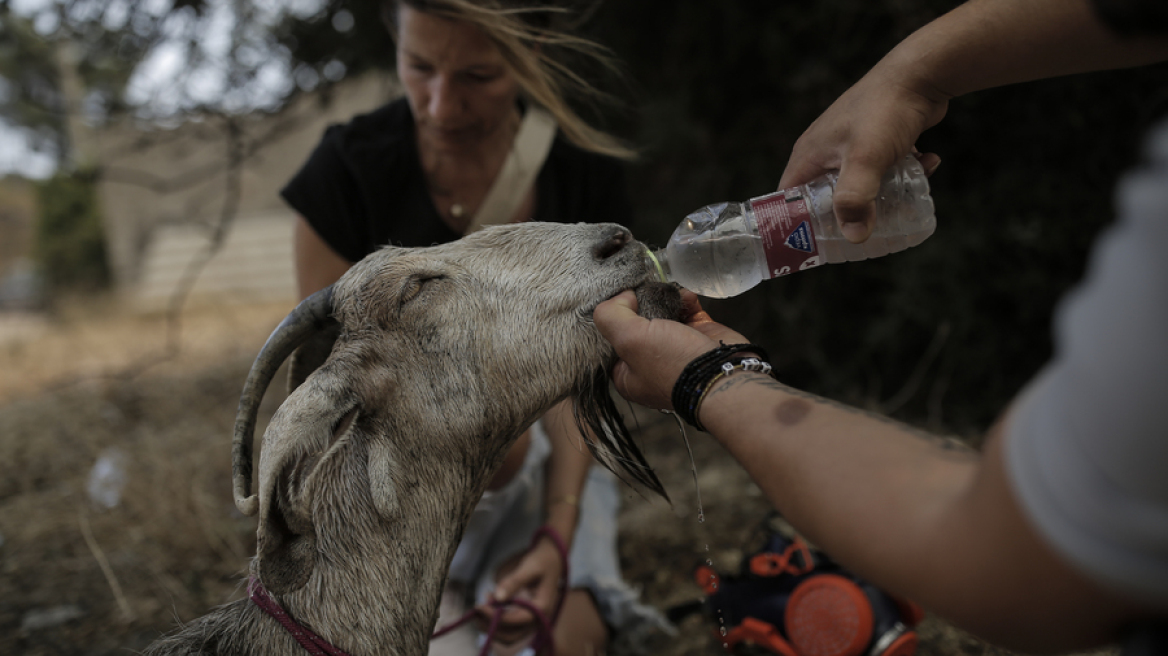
x=385 y=127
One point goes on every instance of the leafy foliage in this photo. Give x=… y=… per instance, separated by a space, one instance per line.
x=347 y=33
x=29 y=95
x=157 y=60
x=70 y=245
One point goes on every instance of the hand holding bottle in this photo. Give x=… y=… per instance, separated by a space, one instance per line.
x=864 y=132
x=977 y=45
x=724 y=249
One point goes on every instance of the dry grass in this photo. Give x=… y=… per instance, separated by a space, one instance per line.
x=86 y=340
x=175 y=546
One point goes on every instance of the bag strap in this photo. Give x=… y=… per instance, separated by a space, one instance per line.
x=532 y=143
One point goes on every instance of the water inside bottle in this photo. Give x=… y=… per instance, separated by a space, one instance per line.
x=715 y=252
x=718 y=267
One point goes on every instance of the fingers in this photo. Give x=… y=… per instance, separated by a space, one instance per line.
x=538 y=570
x=691 y=308
x=855 y=198
x=653 y=353
x=700 y=320
x=536 y=580
x=615 y=316
x=929 y=162
x=513 y=618
x=620 y=378
x=522 y=577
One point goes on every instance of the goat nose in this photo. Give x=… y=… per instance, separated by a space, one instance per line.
x=611 y=243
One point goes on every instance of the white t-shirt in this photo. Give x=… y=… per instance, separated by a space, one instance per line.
x=1087 y=446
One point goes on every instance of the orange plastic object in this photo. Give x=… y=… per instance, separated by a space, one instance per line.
x=773 y=564
x=767 y=564
x=905 y=645
x=706 y=578
x=829 y=615
x=757 y=632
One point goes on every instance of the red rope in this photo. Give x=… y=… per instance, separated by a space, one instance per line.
x=318 y=646
x=543 y=632
x=312 y=643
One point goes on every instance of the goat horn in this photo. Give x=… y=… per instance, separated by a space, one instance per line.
x=310 y=317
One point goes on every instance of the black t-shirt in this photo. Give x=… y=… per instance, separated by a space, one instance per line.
x=363 y=187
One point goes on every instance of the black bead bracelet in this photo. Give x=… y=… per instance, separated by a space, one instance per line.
x=700 y=375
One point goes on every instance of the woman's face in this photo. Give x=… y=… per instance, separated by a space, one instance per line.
x=455 y=78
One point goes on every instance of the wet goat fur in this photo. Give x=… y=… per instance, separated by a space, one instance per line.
x=371 y=467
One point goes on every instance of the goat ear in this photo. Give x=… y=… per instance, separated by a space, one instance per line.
x=286 y=541
x=299 y=439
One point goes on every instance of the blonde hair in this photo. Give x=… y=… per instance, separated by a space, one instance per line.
x=525 y=32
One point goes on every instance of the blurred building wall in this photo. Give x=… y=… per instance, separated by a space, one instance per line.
x=166 y=192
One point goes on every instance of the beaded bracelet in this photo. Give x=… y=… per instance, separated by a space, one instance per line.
x=699 y=376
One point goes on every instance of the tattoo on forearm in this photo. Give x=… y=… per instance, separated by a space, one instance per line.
x=793 y=411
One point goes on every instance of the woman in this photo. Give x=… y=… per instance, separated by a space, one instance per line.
x=415 y=173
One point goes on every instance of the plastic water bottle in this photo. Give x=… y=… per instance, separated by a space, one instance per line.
x=724 y=249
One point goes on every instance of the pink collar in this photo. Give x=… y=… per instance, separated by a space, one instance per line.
x=312 y=643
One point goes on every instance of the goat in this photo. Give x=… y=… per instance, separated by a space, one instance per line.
x=370 y=469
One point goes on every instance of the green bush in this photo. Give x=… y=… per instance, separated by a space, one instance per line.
x=70 y=246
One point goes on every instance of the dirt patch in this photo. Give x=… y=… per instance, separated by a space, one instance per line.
x=83 y=576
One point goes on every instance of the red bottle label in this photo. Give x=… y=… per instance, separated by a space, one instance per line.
x=784 y=223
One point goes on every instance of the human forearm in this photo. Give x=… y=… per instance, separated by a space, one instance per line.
x=842 y=476
x=567 y=469
x=540 y=569
x=317 y=264
x=981 y=44
x=988 y=43
x=911 y=512
x=918 y=514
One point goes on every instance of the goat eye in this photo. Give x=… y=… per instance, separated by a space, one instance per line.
x=418 y=284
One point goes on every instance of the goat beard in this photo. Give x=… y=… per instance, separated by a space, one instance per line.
x=607 y=436
x=596 y=413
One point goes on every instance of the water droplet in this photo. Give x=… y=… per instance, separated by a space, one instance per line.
x=723 y=630
x=694 y=469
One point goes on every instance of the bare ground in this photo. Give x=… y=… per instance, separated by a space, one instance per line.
x=80 y=578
